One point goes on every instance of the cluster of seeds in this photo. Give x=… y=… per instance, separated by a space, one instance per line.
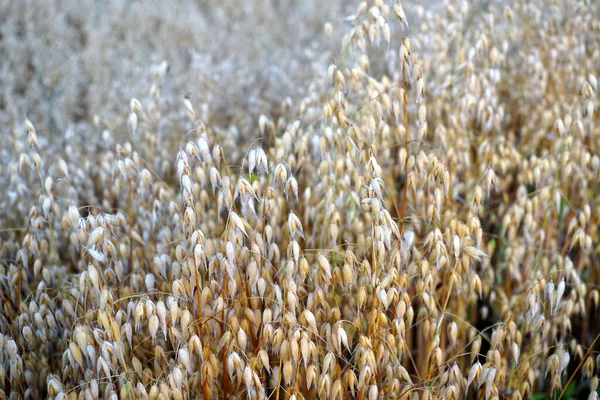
x=420 y=225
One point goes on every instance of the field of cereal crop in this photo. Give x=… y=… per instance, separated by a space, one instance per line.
x=311 y=199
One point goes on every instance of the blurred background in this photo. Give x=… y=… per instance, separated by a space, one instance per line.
x=65 y=61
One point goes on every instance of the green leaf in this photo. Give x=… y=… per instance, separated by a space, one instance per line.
x=253 y=178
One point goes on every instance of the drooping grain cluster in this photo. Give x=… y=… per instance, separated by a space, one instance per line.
x=418 y=222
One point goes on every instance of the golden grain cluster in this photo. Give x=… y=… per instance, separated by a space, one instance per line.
x=407 y=210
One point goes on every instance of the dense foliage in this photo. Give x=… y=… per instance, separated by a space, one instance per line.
x=278 y=200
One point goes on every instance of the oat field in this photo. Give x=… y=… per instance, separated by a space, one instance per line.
x=278 y=199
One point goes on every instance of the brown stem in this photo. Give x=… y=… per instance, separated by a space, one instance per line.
x=583 y=359
x=224 y=378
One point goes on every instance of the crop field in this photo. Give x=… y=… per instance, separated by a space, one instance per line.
x=279 y=199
